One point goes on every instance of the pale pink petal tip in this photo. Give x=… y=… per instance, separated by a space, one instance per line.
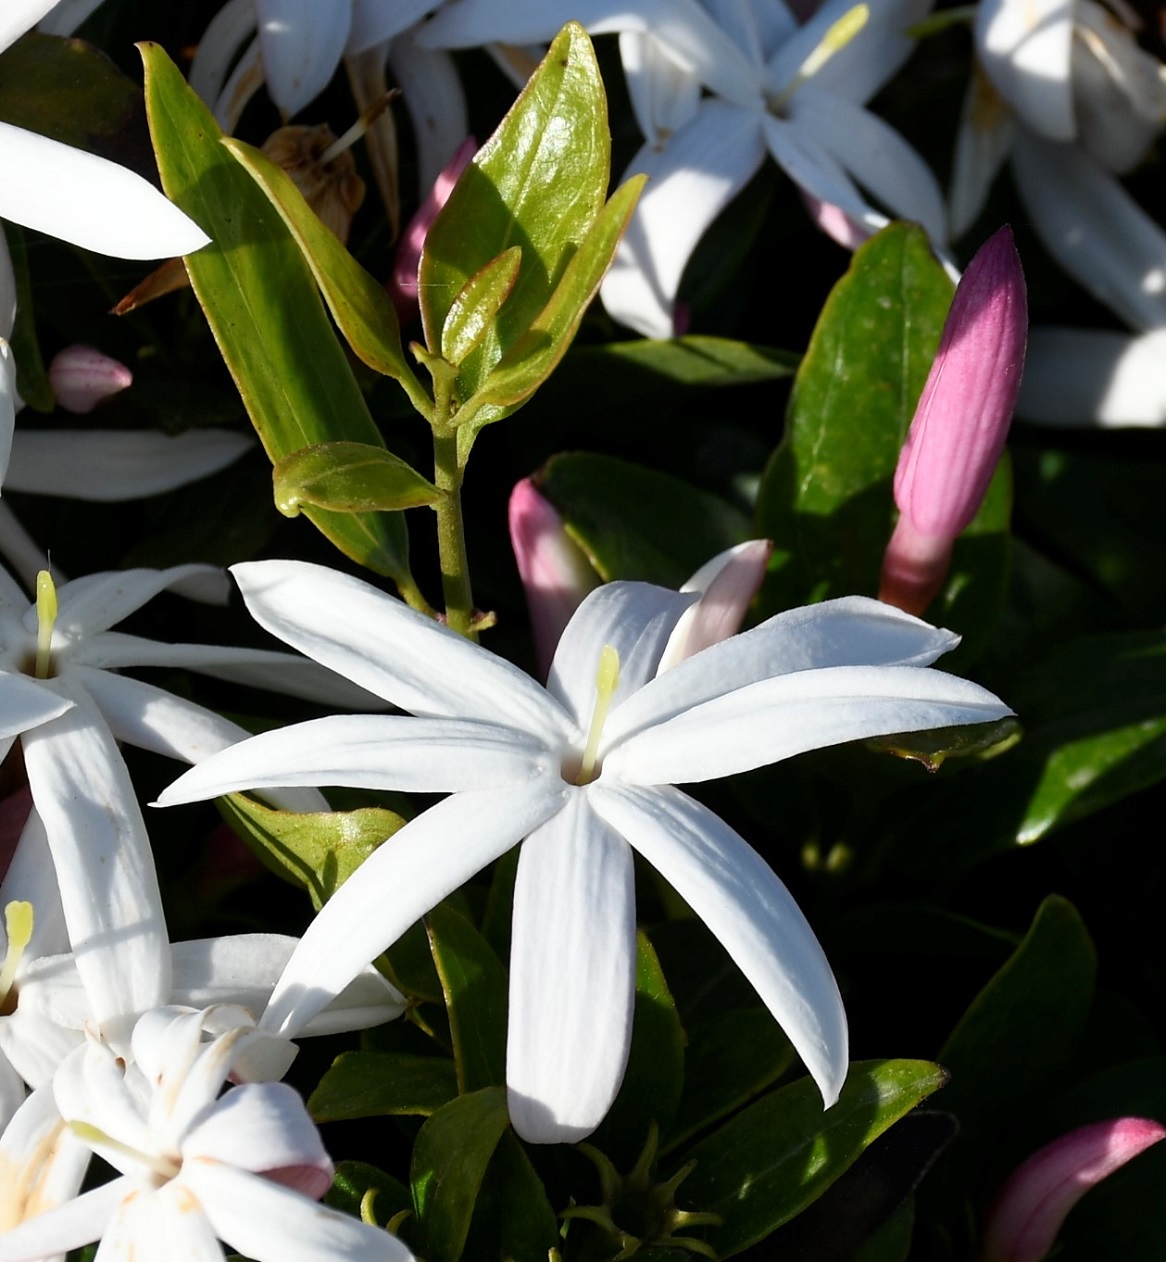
x=554 y=570
x=727 y=585
x=847 y=231
x=402 y=284
x=82 y=377
x=1032 y=1205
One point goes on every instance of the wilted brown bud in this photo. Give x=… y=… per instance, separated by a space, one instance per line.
x=332 y=188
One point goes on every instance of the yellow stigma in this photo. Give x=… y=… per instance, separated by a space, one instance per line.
x=18 y=922
x=46 y=616
x=606 y=682
x=834 y=41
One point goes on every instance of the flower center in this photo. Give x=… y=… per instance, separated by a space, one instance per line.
x=18 y=922
x=606 y=682
x=46 y=617
x=163 y=1167
x=834 y=41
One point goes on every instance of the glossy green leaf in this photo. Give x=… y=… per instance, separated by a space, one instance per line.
x=538 y=183
x=892 y=1241
x=474 y=984
x=361 y=307
x=694 y=360
x=654 y=1078
x=635 y=523
x=826 y=496
x=352 y=1183
x=777 y=1156
x=513 y=1218
x=450 y=1159
x=319 y=851
x=1025 y=1023
x=729 y=1060
x=374 y=1084
x=263 y=308
x=476 y=307
x=348 y=478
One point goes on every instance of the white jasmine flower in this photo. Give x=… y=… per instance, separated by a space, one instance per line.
x=194 y=1166
x=581 y=771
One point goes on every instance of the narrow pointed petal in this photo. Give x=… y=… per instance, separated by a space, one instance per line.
x=697 y=174
x=778 y=718
x=982 y=143
x=1094 y=229
x=735 y=892
x=164 y=1222
x=850 y=631
x=436 y=102
x=260 y=1219
x=114 y=465
x=816 y=171
x=375 y=21
x=345 y=625
x=410 y=873
x=369 y=752
x=19 y=16
x=572 y=976
x=1094 y=377
x=73 y=1223
x=99 y=601
x=1025 y=48
x=635 y=619
x=228 y=31
x=302 y=44
x=665 y=95
x=87 y=201
x=244 y=81
x=27 y=704
x=102 y=856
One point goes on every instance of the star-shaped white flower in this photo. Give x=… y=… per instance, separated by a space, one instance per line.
x=581 y=772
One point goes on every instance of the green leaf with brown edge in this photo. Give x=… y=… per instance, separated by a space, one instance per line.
x=778 y=1155
x=318 y=850
x=450 y=1159
x=348 y=477
x=530 y=360
x=538 y=183
x=361 y=307
x=476 y=307
x=382 y=1084
x=474 y=984
x=264 y=311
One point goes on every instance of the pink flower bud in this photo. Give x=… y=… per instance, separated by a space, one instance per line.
x=82 y=377
x=554 y=570
x=1031 y=1206
x=402 y=284
x=959 y=428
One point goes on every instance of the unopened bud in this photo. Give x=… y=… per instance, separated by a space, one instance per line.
x=82 y=377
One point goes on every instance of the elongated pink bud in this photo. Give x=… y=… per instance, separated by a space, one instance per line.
x=1031 y=1206
x=554 y=569
x=82 y=377
x=402 y=284
x=960 y=425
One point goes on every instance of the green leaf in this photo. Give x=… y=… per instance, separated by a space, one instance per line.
x=1024 y=1025
x=474 y=984
x=892 y=1241
x=778 y=1155
x=32 y=381
x=261 y=303
x=450 y=1159
x=635 y=523
x=825 y=497
x=319 y=851
x=654 y=1078
x=513 y=1218
x=361 y=307
x=353 y=1181
x=348 y=477
x=476 y=307
x=375 y=1084
x=538 y=183
x=693 y=360
x=729 y=1060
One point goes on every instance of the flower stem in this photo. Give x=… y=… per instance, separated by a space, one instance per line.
x=451 y=537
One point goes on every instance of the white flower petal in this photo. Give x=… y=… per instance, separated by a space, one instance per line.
x=22 y=552
x=1094 y=229
x=229 y=29
x=97 y=602
x=27 y=704
x=244 y=81
x=399 y=882
x=7 y=404
x=263 y=1220
x=735 y=892
x=432 y=91
x=375 y=21
x=30 y=878
x=261 y=1126
x=790 y=714
x=7 y=289
x=19 y=16
x=572 y=976
x=302 y=42
x=814 y=170
x=347 y=625
x=166 y=1222
x=12 y=1095
x=982 y=142
x=369 y=752
x=1025 y=48
x=88 y=201
x=664 y=94
x=850 y=631
x=113 y=465
x=697 y=174
x=66 y=16
x=33 y=1039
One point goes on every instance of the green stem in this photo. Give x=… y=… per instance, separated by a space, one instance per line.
x=451 y=537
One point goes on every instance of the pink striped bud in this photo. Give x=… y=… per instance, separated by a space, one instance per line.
x=82 y=377
x=959 y=428
x=402 y=284
x=554 y=569
x=1031 y=1206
